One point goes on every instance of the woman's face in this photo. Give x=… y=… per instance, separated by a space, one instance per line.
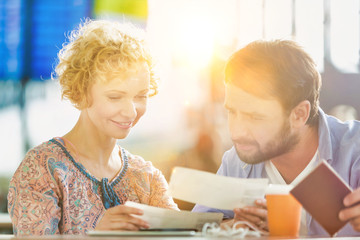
x=117 y=104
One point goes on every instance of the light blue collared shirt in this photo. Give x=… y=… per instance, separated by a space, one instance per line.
x=339 y=144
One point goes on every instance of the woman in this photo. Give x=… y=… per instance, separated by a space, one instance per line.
x=79 y=182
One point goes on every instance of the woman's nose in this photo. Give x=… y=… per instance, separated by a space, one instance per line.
x=129 y=110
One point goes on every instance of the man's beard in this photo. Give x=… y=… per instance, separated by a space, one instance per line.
x=282 y=143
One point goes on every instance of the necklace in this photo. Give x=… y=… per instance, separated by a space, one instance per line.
x=109 y=197
x=114 y=154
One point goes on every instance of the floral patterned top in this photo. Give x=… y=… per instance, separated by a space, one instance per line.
x=50 y=193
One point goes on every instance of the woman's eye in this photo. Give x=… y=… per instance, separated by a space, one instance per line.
x=256 y=117
x=231 y=112
x=114 y=98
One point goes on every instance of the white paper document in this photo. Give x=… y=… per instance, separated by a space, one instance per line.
x=167 y=218
x=215 y=191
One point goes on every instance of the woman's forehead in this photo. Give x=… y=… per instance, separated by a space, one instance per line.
x=132 y=79
x=116 y=72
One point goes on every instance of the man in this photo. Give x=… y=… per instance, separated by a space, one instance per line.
x=280 y=132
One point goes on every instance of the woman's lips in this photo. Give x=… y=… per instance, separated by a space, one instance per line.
x=123 y=125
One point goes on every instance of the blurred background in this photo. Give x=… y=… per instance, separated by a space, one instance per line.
x=185 y=124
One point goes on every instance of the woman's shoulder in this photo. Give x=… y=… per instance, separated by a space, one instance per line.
x=44 y=147
x=39 y=153
x=136 y=161
x=137 y=164
x=42 y=158
x=44 y=152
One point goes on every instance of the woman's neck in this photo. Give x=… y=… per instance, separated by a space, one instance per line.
x=90 y=144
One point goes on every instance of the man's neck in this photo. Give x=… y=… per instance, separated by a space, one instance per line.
x=291 y=164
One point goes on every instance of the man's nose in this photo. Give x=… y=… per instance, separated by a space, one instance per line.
x=239 y=130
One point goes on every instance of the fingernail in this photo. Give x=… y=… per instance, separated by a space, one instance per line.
x=140 y=212
x=341 y=216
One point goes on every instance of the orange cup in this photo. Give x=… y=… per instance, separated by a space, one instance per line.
x=284 y=213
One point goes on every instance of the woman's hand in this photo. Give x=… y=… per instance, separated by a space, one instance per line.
x=121 y=218
x=256 y=215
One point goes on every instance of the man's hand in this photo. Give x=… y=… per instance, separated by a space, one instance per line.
x=256 y=215
x=352 y=211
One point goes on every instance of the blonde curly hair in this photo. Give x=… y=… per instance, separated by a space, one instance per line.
x=96 y=48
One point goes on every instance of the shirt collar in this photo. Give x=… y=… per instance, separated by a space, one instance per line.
x=256 y=169
x=325 y=143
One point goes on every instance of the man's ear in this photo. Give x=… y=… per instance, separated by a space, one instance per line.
x=300 y=114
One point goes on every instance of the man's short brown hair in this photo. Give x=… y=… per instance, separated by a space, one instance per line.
x=278 y=69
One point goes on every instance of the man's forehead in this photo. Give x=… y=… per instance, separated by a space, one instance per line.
x=262 y=85
x=234 y=90
x=238 y=98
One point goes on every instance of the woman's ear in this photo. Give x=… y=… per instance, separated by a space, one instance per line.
x=87 y=99
x=300 y=114
x=84 y=102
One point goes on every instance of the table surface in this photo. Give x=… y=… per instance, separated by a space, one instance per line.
x=5 y=221
x=11 y=237
x=69 y=237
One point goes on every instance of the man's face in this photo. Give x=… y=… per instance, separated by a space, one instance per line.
x=259 y=128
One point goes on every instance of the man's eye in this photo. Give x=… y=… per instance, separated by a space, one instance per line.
x=253 y=117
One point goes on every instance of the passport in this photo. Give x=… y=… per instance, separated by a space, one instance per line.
x=321 y=193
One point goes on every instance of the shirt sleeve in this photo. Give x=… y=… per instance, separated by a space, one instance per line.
x=159 y=195
x=33 y=204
